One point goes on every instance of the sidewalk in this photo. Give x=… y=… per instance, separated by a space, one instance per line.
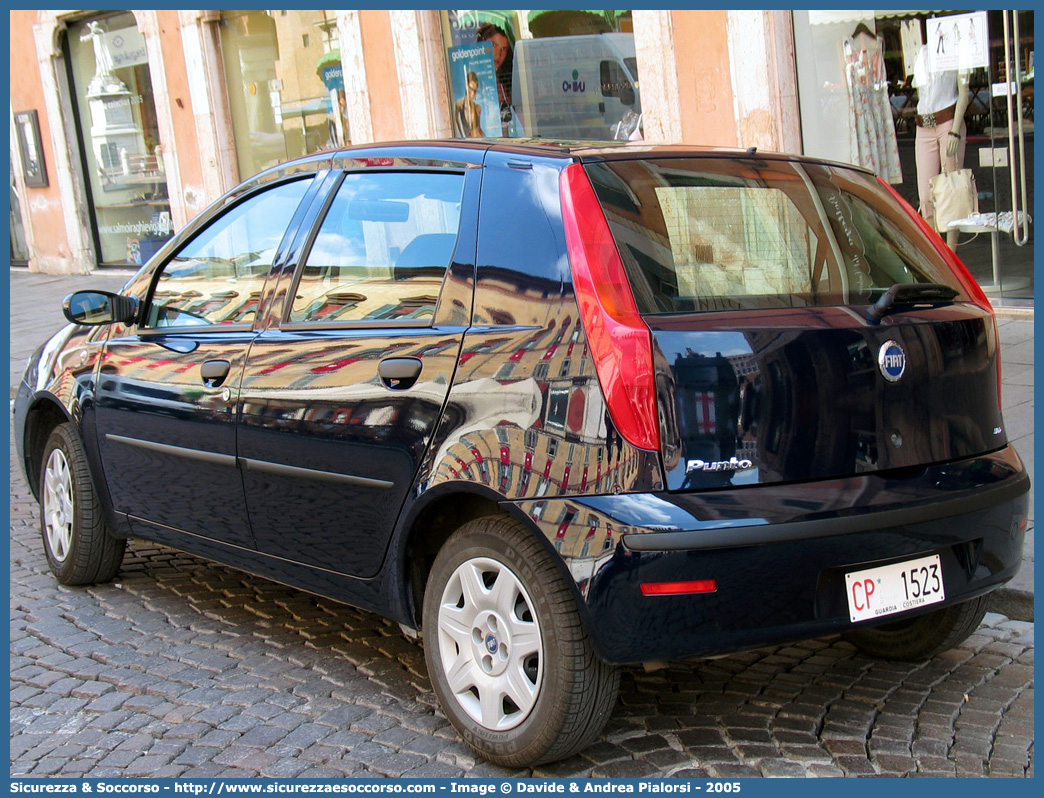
x=36 y=312
x=1016 y=335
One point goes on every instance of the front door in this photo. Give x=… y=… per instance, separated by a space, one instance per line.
x=167 y=388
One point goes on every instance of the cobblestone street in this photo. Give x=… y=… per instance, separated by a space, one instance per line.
x=563 y=338
x=182 y=668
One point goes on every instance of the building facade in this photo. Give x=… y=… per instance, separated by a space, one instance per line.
x=125 y=124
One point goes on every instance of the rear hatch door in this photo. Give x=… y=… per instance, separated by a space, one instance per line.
x=804 y=327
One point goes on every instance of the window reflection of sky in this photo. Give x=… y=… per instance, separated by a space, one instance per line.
x=727 y=344
x=657 y=513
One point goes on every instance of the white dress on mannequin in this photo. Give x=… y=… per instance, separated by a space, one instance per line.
x=873 y=142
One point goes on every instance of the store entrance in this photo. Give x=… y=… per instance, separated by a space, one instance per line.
x=996 y=244
x=912 y=93
x=118 y=130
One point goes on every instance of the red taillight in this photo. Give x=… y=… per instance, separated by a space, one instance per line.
x=619 y=339
x=960 y=271
x=678 y=588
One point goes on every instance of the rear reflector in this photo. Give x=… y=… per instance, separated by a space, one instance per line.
x=678 y=588
x=620 y=341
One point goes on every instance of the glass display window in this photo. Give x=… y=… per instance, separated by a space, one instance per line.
x=19 y=247
x=912 y=94
x=285 y=85
x=542 y=74
x=119 y=134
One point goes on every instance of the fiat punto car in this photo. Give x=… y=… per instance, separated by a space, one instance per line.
x=555 y=407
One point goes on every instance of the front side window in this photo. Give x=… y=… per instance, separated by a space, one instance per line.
x=217 y=277
x=382 y=250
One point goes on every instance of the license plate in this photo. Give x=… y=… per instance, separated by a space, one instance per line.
x=889 y=589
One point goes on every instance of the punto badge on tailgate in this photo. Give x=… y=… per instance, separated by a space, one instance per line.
x=892 y=361
x=732 y=464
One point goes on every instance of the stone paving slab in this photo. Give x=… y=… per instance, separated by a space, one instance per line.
x=183 y=668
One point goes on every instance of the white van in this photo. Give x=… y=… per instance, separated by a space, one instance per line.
x=575 y=86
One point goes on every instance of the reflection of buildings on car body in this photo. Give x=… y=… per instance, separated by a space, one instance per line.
x=557 y=443
x=554 y=449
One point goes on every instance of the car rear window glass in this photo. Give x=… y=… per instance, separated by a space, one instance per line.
x=719 y=234
x=382 y=249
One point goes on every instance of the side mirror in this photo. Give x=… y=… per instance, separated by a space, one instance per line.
x=94 y=308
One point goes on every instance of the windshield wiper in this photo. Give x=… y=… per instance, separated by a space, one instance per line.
x=907 y=295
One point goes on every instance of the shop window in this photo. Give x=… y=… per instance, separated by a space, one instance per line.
x=19 y=248
x=880 y=88
x=285 y=86
x=119 y=134
x=544 y=74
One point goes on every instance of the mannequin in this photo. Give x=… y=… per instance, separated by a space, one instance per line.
x=941 y=132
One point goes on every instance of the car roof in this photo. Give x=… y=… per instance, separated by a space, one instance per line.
x=576 y=149
x=474 y=151
x=592 y=150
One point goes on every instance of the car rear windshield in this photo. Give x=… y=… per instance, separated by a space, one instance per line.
x=700 y=234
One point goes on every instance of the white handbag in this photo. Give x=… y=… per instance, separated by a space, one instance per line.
x=954 y=196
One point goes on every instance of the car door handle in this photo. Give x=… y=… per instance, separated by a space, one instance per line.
x=399 y=373
x=214 y=372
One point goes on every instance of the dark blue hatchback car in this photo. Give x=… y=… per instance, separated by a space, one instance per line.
x=558 y=407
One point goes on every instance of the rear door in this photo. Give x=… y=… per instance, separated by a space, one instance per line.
x=756 y=277
x=339 y=400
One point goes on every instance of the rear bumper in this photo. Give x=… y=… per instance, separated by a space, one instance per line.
x=779 y=554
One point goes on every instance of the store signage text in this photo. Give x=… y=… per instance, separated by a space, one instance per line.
x=127 y=47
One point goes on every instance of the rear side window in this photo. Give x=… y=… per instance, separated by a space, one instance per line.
x=382 y=250
x=701 y=234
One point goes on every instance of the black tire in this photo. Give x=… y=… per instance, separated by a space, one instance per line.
x=80 y=550
x=565 y=693
x=920 y=638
